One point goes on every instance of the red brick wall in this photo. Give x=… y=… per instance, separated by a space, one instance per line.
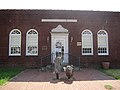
x=27 y=19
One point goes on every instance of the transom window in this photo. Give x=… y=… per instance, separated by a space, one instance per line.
x=102 y=42
x=32 y=42
x=15 y=43
x=87 y=42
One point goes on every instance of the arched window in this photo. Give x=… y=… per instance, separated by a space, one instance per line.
x=15 y=43
x=87 y=42
x=102 y=37
x=32 y=42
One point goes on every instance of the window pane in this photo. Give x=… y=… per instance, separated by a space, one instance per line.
x=102 y=42
x=87 y=42
x=32 y=42
x=15 y=43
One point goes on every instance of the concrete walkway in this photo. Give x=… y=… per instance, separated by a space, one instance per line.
x=86 y=79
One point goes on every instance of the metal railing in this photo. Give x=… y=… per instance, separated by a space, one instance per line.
x=74 y=60
x=46 y=61
x=68 y=59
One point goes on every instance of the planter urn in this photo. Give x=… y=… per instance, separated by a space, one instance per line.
x=105 y=65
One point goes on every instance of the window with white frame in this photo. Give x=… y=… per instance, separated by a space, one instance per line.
x=32 y=43
x=15 y=43
x=87 y=42
x=102 y=37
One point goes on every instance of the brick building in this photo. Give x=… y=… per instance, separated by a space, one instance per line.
x=31 y=38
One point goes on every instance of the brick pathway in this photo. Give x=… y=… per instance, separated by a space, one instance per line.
x=86 y=79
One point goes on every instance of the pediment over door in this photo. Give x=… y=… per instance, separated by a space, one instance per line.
x=59 y=29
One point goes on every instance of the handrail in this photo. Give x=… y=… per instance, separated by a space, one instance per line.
x=72 y=60
x=45 y=61
x=46 y=57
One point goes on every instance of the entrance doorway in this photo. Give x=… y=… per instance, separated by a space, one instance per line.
x=59 y=43
x=59 y=48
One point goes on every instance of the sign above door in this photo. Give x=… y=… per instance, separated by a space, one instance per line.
x=59 y=20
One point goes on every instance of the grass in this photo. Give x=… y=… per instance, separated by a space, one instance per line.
x=108 y=87
x=112 y=72
x=7 y=73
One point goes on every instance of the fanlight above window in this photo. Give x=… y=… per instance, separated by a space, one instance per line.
x=102 y=32
x=32 y=32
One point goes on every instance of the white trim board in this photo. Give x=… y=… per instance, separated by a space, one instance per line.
x=58 y=20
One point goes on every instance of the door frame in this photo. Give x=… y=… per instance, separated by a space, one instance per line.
x=62 y=34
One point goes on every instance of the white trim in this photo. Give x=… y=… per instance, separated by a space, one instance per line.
x=98 y=42
x=59 y=28
x=58 y=20
x=33 y=44
x=103 y=54
x=90 y=41
x=61 y=35
x=10 y=42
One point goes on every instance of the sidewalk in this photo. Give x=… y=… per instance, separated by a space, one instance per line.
x=86 y=79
